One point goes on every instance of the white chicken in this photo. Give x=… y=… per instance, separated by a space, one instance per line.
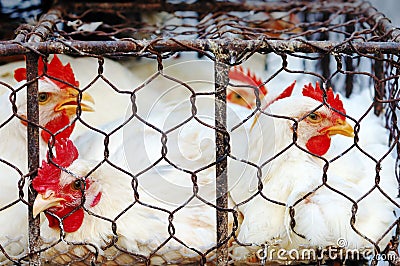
x=244 y=95
x=57 y=109
x=296 y=207
x=96 y=204
x=173 y=82
x=173 y=101
x=107 y=85
x=112 y=89
x=187 y=131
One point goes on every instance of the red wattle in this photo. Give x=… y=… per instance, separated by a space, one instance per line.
x=55 y=125
x=319 y=145
x=72 y=223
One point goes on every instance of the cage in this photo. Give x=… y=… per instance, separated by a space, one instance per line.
x=173 y=132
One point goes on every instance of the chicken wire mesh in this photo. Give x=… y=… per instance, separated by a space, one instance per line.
x=191 y=178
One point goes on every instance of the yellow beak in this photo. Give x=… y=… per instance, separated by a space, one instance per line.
x=70 y=102
x=44 y=202
x=341 y=127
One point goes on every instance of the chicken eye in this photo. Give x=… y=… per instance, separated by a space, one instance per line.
x=238 y=96
x=43 y=97
x=314 y=117
x=77 y=185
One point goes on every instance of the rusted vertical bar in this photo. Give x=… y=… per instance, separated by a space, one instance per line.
x=349 y=61
x=349 y=77
x=222 y=147
x=41 y=31
x=326 y=59
x=325 y=66
x=379 y=86
x=33 y=152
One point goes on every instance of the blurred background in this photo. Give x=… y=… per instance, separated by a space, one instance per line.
x=30 y=9
x=390 y=8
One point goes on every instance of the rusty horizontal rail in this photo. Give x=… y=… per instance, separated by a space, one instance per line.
x=203 y=6
x=136 y=46
x=45 y=26
x=39 y=39
x=384 y=26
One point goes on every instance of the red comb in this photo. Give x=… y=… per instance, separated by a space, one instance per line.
x=66 y=152
x=55 y=69
x=287 y=92
x=48 y=177
x=284 y=94
x=318 y=94
x=239 y=74
x=49 y=174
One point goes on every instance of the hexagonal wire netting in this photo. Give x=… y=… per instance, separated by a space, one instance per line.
x=180 y=175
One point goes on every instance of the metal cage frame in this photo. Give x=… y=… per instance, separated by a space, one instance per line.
x=42 y=39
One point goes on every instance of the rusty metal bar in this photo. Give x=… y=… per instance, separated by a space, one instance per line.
x=45 y=25
x=384 y=26
x=326 y=59
x=33 y=153
x=222 y=147
x=349 y=77
x=349 y=62
x=22 y=32
x=379 y=86
x=204 y=6
x=39 y=34
x=141 y=46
